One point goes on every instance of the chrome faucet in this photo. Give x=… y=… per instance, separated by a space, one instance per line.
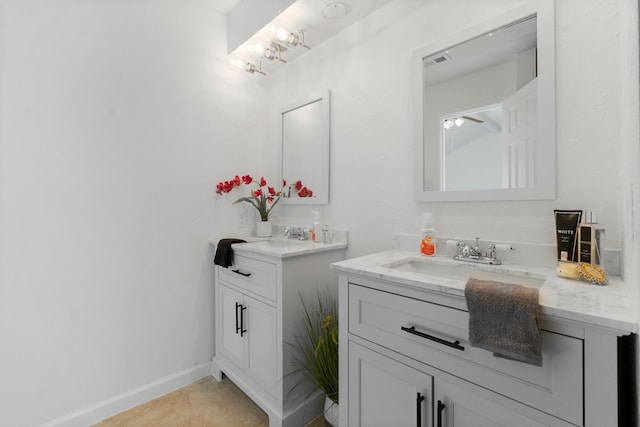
x=468 y=253
x=295 y=233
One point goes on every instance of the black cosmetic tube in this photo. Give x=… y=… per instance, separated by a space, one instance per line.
x=567 y=222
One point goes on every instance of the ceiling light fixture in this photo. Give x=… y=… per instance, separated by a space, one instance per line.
x=251 y=68
x=334 y=10
x=273 y=52
x=454 y=121
x=269 y=46
x=258 y=48
x=282 y=33
x=297 y=39
x=237 y=63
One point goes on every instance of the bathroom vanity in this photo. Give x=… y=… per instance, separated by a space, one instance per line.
x=404 y=346
x=258 y=308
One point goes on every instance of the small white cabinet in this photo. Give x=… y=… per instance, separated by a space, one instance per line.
x=258 y=311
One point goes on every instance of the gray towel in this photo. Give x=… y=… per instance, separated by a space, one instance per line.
x=502 y=319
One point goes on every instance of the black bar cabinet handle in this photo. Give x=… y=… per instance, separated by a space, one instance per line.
x=419 y=409
x=242 y=329
x=238 y=327
x=441 y=407
x=412 y=330
x=241 y=273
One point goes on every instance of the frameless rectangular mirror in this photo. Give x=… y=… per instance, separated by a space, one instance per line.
x=303 y=137
x=484 y=110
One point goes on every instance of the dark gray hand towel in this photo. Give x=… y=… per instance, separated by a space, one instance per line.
x=224 y=252
x=502 y=319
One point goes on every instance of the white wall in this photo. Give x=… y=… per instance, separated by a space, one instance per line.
x=117 y=119
x=367 y=69
x=473 y=163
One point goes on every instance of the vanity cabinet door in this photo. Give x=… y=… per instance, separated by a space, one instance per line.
x=461 y=406
x=229 y=309
x=384 y=392
x=248 y=335
x=260 y=321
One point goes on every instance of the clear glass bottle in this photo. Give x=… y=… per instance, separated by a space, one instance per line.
x=316 y=228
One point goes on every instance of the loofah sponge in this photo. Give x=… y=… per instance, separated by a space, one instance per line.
x=592 y=273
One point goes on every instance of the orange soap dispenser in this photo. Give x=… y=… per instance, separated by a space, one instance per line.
x=427 y=236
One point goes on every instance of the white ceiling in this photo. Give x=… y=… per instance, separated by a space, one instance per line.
x=224 y=6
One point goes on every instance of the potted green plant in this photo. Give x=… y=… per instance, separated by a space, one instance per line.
x=315 y=351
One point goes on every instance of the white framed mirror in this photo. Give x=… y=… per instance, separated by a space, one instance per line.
x=484 y=110
x=303 y=148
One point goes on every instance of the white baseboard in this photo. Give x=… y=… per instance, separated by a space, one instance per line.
x=115 y=405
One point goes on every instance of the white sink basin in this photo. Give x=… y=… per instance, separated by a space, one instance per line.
x=464 y=272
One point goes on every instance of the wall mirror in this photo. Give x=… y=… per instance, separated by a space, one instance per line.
x=484 y=110
x=303 y=140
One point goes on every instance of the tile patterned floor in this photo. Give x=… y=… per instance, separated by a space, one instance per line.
x=205 y=403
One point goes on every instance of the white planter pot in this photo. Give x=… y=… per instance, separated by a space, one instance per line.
x=263 y=229
x=331 y=412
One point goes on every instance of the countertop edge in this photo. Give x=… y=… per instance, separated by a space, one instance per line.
x=611 y=306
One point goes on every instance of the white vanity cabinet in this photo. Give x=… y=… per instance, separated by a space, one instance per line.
x=258 y=310
x=409 y=361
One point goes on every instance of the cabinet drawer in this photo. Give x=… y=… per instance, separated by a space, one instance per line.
x=250 y=274
x=556 y=387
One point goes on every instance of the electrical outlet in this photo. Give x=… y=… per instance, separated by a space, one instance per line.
x=242 y=218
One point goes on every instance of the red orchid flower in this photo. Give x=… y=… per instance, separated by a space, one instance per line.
x=263 y=200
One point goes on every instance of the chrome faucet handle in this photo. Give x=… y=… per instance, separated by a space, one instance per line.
x=473 y=251
x=491 y=251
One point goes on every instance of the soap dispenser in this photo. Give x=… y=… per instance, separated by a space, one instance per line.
x=316 y=227
x=427 y=236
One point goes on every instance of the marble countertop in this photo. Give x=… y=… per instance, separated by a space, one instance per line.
x=614 y=305
x=283 y=248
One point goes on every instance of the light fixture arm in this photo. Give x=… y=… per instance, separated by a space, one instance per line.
x=251 y=68
x=268 y=53
x=297 y=38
